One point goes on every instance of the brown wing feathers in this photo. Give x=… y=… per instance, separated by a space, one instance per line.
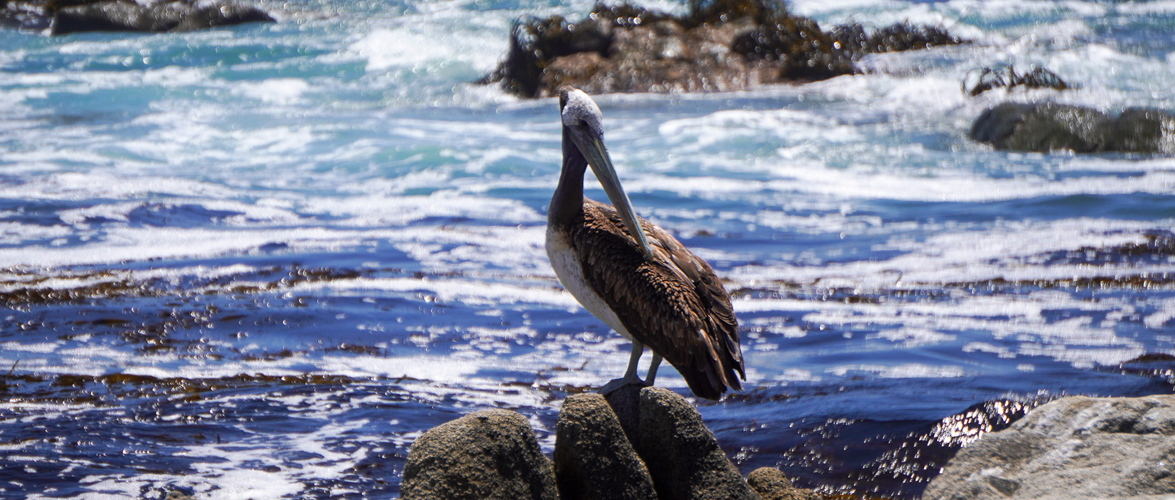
x=675 y=305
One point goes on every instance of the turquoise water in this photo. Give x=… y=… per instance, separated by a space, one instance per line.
x=259 y=261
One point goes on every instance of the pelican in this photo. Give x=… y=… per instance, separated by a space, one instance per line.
x=631 y=274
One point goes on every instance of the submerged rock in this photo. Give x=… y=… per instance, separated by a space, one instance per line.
x=719 y=45
x=1048 y=126
x=1075 y=447
x=593 y=458
x=490 y=454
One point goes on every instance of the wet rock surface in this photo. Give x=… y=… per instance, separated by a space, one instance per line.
x=491 y=454
x=1075 y=447
x=719 y=45
x=1049 y=126
x=593 y=458
x=771 y=484
x=682 y=454
x=73 y=16
x=626 y=405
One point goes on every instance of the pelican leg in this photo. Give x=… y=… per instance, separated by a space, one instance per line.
x=652 y=375
x=630 y=376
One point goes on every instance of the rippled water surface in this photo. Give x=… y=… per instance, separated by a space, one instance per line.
x=260 y=261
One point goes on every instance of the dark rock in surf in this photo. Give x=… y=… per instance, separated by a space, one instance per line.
x=1042 y=127
x=681 y=454
x=1075 y=447
x=490 y=454
x=119 y=15
x=1144 y=131
x=854 y=39
x=796 y=49
x=719 y=45
x=771 y=484
x=593 y=458
x=1048 y=126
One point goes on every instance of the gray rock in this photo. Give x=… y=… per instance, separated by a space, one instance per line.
x=771 y=484
x=995 y=125
x=1077 y=447
x=593 y=458
x=682 y=455
x=490 y=454
x=626 y=404
x=1043 y=127
x=118 y=15
x=1048 y=126
x=1144 y=130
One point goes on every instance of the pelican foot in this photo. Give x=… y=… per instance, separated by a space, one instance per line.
x=612 y=386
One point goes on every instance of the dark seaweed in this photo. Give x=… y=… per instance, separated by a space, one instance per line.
x=898 y=37
x=1036 y=78
x=797 y=43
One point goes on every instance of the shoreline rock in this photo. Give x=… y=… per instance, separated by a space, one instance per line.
x=488 y=455
x=682 y=455
x=675 y=456
x=1074 y=447
x=593 y=458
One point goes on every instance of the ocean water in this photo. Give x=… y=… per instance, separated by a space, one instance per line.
x=259 y=261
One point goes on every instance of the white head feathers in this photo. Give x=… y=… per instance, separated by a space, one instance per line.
x=579 y=110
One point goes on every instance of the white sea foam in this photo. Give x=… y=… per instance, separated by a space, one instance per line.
x=1143 y=8
x=812 y=178
x=911 y=370
x=1005 y=251
x=735 y=124
x=275 y=90
x=463 y=291
x=43 y=347
x=385 y=49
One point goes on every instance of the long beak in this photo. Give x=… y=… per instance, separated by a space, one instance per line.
x=593 y=148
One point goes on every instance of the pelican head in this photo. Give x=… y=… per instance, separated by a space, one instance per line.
x=583 y=122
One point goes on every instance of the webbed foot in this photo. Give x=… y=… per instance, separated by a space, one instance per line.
x=612 y=386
